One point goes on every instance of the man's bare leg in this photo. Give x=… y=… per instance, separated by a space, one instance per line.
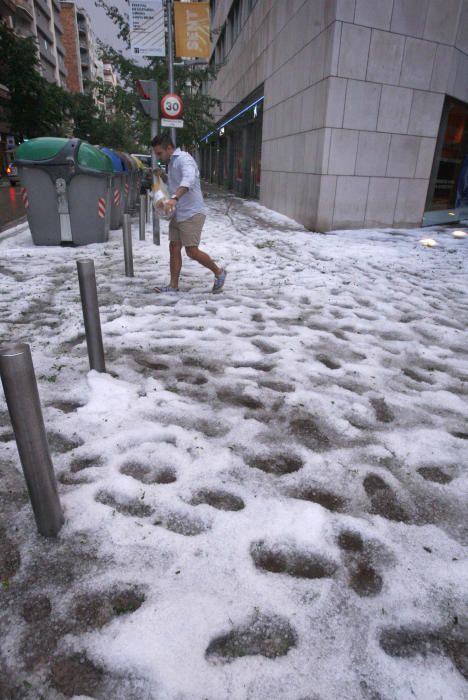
x=175 y=263
x=203 y=258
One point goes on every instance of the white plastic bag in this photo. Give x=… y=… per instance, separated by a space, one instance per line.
x=160 y=199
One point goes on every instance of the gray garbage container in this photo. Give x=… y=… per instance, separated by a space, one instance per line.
x=118 y=192
x=67 y=187
x=130 y=183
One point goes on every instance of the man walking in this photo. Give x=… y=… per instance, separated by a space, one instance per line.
x=187 y=202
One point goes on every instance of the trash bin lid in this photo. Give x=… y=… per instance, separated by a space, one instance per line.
x=117 y=163
x=45 y=148
x=131 y=165
x=123 y=160
x=42 y=148
x=92 y=158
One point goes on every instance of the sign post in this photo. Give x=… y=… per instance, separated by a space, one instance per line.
x=148 y=91
x=172 y=108
x=170 y=57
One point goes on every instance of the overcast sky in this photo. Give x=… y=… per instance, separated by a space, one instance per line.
x=102 y=26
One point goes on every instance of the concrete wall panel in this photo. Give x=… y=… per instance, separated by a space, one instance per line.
x=425 y=158
x=395 y=109
x=410 y=202
x=312 y=151
x=381 y=201
x=442 y=67
x=442 y=21
x=332 y=48
x=385 y=57
x=409 y=17
x=354 y=50
x=461 y=42
x=458 y=79
x=336 y=95
x=403 y=156
x=426 y=111
x=343 y=150
x=350 y=202
x=418 y=62
x=342 y=10
x=326 y=203
x=372 y=154
x=314 y=104
x=362 y=105
x=373 y=13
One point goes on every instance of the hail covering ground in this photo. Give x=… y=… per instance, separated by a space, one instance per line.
x=266 y=495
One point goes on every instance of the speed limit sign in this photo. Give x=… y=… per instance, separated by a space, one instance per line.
x=171 y=106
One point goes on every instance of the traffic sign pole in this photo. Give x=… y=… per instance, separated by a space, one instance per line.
x=148 y=90
x=170 y=57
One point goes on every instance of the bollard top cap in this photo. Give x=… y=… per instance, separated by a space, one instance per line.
x=13 y=349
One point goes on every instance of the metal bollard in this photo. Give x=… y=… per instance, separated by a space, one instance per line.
x=127 y=243
x=22 y=397
x=148 y=206
x=156 y=236
x=142 y=217
x=89 y=302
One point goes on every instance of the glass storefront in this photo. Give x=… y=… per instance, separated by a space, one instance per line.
x=447 y=197
x=231 y=155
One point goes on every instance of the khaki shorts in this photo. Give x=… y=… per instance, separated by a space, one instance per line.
x=187 y=232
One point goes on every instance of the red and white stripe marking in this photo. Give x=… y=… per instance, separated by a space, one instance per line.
x=126 y=189
x=24 y=195
x=117 y=196
x=101 y=207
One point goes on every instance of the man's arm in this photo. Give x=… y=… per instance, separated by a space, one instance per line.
x=179 y=192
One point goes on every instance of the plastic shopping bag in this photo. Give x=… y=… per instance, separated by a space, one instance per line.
x=161 y=198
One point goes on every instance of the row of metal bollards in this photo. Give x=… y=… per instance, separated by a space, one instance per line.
x=22 y=396
x=144 y=218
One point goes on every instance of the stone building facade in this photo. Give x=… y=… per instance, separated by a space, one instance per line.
x=357 y=100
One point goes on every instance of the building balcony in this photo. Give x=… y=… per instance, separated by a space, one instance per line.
x=62 y=69
x=47 y=58
x=44 y=7
x=43 y=30
x=25 y=8
x=58 y=24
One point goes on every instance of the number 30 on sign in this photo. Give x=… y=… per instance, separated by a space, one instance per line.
x=172 y=106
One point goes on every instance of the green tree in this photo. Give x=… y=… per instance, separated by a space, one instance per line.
x=34 y=106
x=188 y=80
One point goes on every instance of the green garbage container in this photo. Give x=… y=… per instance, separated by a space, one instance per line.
x=67 y=187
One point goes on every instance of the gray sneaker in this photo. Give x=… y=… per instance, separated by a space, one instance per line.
x=219 y=282
x=166 y=290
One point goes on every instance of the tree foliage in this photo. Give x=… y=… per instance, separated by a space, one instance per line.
x=34 y=106
x=188 y=80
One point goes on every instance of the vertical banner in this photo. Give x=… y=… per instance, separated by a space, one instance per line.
x=192 y=29
x=147 y=28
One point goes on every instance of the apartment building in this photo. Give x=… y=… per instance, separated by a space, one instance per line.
x=40 y=19
x=342 y=113
x=83 y=64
